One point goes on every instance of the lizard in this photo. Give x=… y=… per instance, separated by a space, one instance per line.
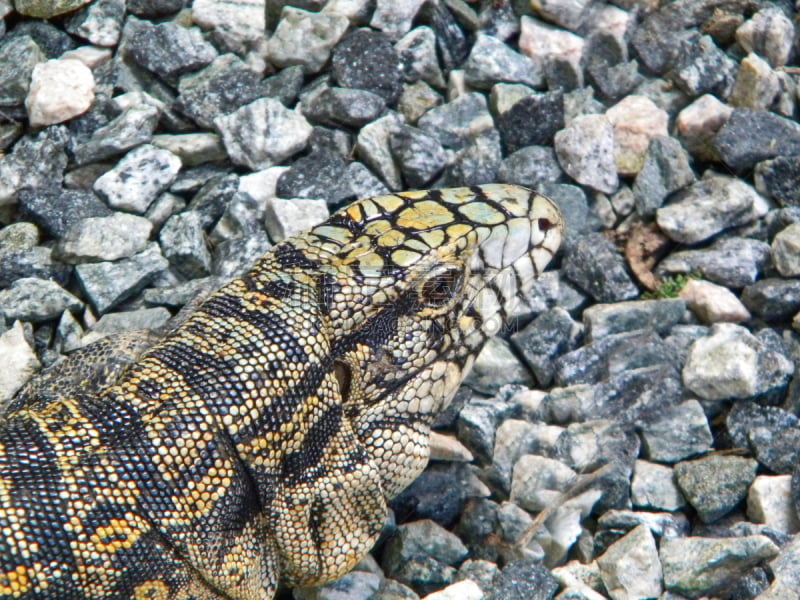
x=258 y=443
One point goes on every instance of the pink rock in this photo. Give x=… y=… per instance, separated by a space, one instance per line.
x=699 y=122
x=636 y=120
x=712 y=303
x=60 y=90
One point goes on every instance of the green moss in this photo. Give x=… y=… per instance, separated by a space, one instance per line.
x=671 y=286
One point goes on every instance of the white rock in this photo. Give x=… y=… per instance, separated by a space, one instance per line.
x=756 y=84
x=585 y=150
x=95 y=239
x=723 y=364
x=636 y=121
x=91 y=56
x=785 y=251
x=243 y=22
x=712 y=303
x=19 y=362
x=537 y=482
x=305 y=38
x=462 y=590
x=699 y=122
x=285 y=218
x=262 y=185
x=630 y=568
x=394 y=17
x=544 y=43
x=770 y=501
x=60 y=90
x=653 y=487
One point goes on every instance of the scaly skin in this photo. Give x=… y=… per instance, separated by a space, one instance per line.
x=260 y=441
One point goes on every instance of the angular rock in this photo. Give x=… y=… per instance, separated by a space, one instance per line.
x=636 y=121
x=263 y=133
x=372 y=147
x=538 y=482
x=55 y=211
x=756 y=84
x=46 y=9
x=523 y=580
x=100 y=23
x=585 y=149
x=532 y=120
x=750 y=136
x=594 y=265
x=19 y=359
x=712 y=303
x=491 y=61
x=653 y=488
x=219 y=89
x=417 y=50
x=135 y=126
x=715 y=484
x=701 y=67
x=559 y=52
x=344 y=107
x=496 y=357
x=769 y=501
x=106 y=284
x=36 y=300
x=602 y=320
x=113 y=324
x=138 y=178
x=786 y=251
x=184 y=246
x=666 y=169
x=423 y=539
x=695 y=567
x=154 y=8
x=770 y=33
x=285 y=218
x=779 y=178
x=531 y=167
x=320 y=175
x=773 y=299
x=59 y=91
x=630 y=567
x=192 y=148
x=393 y=17
x=698 y=124
x=709 y=206
x=769 y=432
x=96 y=239
x=242 y=23
x=37 y=163
x=419 y=156
x=366 y=60
x=457 y=123
x=305 y=38
x=477 y=163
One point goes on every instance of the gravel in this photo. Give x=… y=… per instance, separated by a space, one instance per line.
x=634 y=432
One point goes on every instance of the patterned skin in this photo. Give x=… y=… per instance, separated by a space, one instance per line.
x=259 y=442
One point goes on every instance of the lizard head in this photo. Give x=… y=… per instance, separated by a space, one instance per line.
x=413 y=285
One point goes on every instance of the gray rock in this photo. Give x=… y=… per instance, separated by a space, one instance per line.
x=19 y=361
x=585 y=149
x=457 y=123
x=36 y=300
x=319 y=175
x=113 y=324
x=420 y=539
x=757 y=85
x=334 y=141
x=491 y=61
x=285 y=218
x=751 y=136
x=46 y=9
x=769 y=33
x=107 y=284
x=100 y=23
x=96 y=239
x=192 y=148
x=695 y=567
x=630 y=567
x=343 y=107
x=372 y=146
x=513 y=439
x=538 y=482
x=661 y=316
x=681 y=432
x=184 y=245
x=363 y=182
x=219 y=89
x=496 y=357
x=176 y=296
x=305 y=38
x=715 y=484
x=36 y=164
x=770 y=501
x=417 y=50
x=138 y=178
x=233 y=257
x=615 y=81
x=708 y=207
x=779 y=179
x=531 y=167
x=211 y=200
x=773 y=299
x=531 y=120
x=154 y=8
x=55 y=211
x=653 y=487
x=732 y=262
x=419 y=156
x=786 y=251
x=19 y=55
x=356 y=585
x=769 y=432
x=425 y=575
x=701 y=67
x=416 y=99
x=594 y=265
x=666 y=170
x=18 y=236
x=240 y=25
x=482 y=572
x=393 y=17
x=785 y=570
x=477 y=423
x=661 y=524
x=133 y=127
x=477 y=163
x=366 y=60
x=263 y=133
x=548 y=336
x=523 y=581
x=285 y=85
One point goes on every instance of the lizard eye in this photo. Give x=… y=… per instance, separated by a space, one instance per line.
x=440 y=288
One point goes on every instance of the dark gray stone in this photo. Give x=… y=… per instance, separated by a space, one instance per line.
x=751 y=136
x=363 y=182
x=100 y=22
x=771 y=433
x=135 y=126
x=419 y=156
x=320 y=175
x=285 y=85
x=532 y=120
x=452 y=43
x=36 y=300
x=615 y=81
x=477 y=163
x=344 y=107
x=31 y=262
x=666 y=169
x=36 y=163
x=167 y=49
x=233 y=257
x=50 y=39
x=19 y=55
x=107 y=284
x=477 y=423
x=661 y=316
x=574 y=206
x=154 y=8
x=593 y=264
x=439 y=494
x=525 y=581
x=212 y=199
x=55 y=211
x=773 y=299
x=336 y=141
x=184 y=245
x=678 y=433
x=779 y=178
x=548 y=336
x=219 y=89
x=457 y=123
x=417 y=51
x=701 y=68
x=715 y=484
x=366 y=60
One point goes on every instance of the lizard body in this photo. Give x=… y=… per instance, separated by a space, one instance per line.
x=260 y=441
